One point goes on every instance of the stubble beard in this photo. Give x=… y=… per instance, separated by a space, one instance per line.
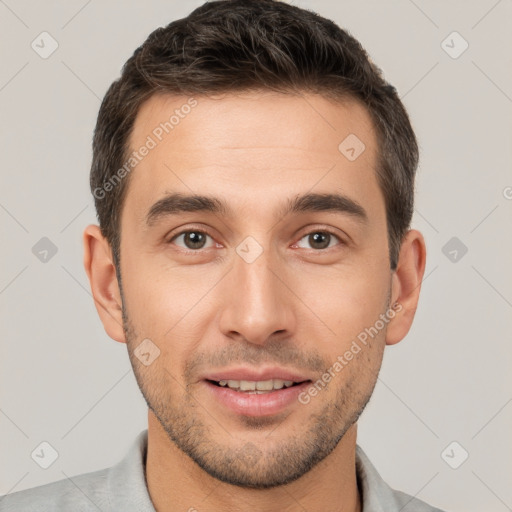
x=238 y=461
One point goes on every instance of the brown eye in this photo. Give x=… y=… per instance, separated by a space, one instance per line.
x=192 y=240
x=318 y=240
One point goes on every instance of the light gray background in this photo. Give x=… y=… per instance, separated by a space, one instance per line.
x=65 y=382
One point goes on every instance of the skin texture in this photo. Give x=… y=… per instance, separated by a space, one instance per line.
x=297 y=305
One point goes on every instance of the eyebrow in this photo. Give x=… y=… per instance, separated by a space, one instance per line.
x=174 y=204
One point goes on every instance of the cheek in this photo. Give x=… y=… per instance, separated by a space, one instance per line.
x=344 y=301
x=168 y=302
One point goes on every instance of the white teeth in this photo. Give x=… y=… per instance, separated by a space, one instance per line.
x=278 y=383
x=265 y=385
x=259 y=387
x=247 y=385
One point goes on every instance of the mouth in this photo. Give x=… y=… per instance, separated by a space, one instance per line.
x=259 y=387
x=256 y=394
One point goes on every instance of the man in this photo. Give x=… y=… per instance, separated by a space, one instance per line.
x=253 y=177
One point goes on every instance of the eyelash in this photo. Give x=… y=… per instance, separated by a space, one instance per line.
x=204 y=232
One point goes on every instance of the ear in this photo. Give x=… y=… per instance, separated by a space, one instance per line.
x=406 y=285
x=100 y=269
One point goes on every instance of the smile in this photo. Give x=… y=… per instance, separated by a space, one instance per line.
x=244 y=397
x=256 y=387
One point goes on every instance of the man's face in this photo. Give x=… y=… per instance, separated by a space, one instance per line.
x=249 y=291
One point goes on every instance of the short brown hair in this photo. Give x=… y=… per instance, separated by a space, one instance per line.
x=238 y=45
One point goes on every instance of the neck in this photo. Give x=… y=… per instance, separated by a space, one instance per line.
x=177 y=483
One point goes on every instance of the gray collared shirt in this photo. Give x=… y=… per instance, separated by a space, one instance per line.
x=122 y=488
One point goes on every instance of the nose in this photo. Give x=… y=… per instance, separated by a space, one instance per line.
x=258 y=304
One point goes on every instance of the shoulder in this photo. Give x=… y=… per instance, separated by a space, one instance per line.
x=81 y=493
x=120 y=487
x=407 y=503
x=378 y=496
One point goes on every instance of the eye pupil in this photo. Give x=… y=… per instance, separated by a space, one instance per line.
x=194 y=240
x=321 y=239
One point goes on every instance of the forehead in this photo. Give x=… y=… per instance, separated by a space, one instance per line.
x=251 y=147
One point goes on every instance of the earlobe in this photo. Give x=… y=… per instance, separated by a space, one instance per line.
x=101 y=272
x=406 y=285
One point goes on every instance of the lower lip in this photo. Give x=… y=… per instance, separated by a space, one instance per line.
x=252 y=404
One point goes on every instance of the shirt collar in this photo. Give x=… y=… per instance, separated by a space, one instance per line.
x=127 y=486
x=374 y=491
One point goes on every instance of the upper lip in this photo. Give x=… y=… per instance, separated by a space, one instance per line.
x=257 y=374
